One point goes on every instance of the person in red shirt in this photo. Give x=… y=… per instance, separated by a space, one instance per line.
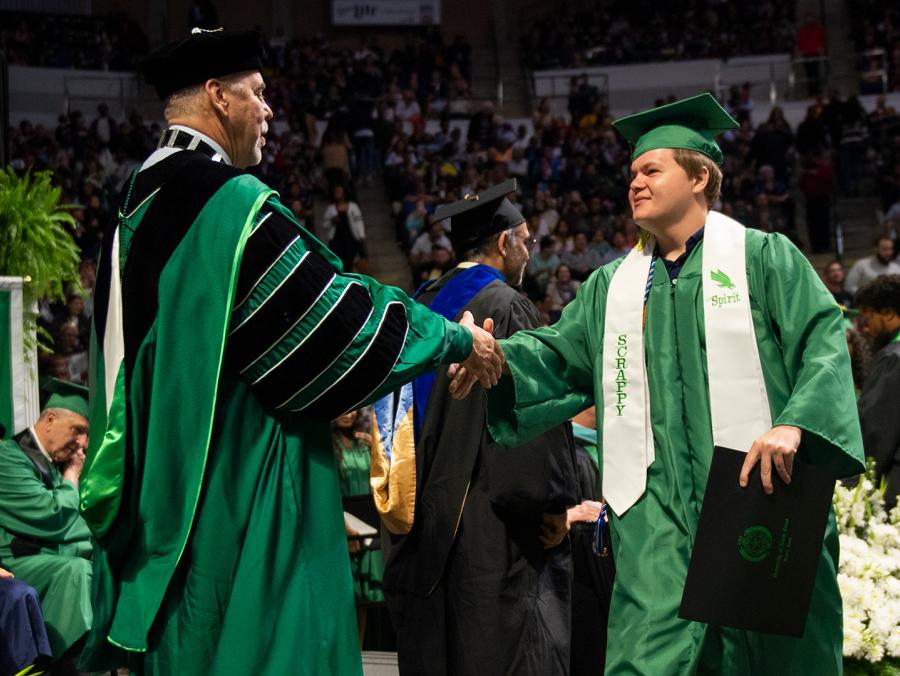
x=811 y=44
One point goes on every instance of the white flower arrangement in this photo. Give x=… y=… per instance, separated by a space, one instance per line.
x=869 y=576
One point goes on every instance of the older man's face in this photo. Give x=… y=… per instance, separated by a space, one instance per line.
x=248 y=119
x=65 y=434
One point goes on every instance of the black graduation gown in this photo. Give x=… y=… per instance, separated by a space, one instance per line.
x=471 y=589
x=593 y=577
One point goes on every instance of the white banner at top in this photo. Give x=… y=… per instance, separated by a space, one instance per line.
x=385 y=12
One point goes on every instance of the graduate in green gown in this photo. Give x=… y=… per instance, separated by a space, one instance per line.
x=43 y=539
x=804 y=367
x=225 y=337
x=353 y=451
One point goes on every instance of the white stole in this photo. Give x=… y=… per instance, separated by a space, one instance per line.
x=739 y=405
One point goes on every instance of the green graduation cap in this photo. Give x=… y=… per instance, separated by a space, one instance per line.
x=475 y=218
x=68 y=396
x=692 y=124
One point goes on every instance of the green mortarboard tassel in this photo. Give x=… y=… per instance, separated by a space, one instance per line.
x=692 y=124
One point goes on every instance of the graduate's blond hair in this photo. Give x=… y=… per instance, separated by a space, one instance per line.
x=694 y=163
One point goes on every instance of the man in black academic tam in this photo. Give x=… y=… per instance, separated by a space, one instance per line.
x=211 y=83
x=478 y=222
x=200 y=56
x=490 y=522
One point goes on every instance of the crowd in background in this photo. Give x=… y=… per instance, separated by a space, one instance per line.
x=587 y=32
x=405 y=122
x=110 y=42
x=876 y=29
x=348 y=118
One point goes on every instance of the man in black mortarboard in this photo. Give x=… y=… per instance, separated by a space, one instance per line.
x=481 y=583
x=228 y=338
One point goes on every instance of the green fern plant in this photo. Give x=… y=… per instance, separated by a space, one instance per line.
x=36 y=240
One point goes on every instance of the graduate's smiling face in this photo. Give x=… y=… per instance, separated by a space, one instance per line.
x=661 y=192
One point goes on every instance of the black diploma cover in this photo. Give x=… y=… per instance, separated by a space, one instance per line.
x=755 y=556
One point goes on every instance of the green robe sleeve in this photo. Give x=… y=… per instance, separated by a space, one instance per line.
x=313 y=339
x=28 y=508
x=551 y=373
x=431 y=339
x=814 y=347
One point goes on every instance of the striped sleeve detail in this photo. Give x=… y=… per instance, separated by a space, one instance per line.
x=371 y=368
x=305 y=337
x=278 y=275
x=317 y=348
x=278 y=314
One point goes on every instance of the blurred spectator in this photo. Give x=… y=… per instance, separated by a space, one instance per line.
x=541 y=267
x=866 y=269
x=344 y=230
x=581 y=260
x=817 y=185
x=103 y=127
x=421 y=251
x=851 y=145
x=773 y=143
x=352 y=443
x=336 y=158
x=599 y=244
x=773 y=196
x=561 y=289
x=408 y=111
x=619 y=246
x=562 y=233
x=441 y=261
x=834 y=281
x=879 y=306
x=811 y=46
x=416 y=222
x=812 y=134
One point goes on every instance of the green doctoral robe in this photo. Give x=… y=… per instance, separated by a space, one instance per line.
x=557 y=372
x=221 y=544
x=39 y=520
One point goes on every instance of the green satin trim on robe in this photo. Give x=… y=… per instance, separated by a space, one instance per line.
x=178 y=423
x=556 y=373
x=102 y=478
x=263 y=477
x=104 y=472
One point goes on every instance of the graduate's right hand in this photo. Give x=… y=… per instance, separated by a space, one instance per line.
x=72 y=471
x=774 y=449
x=484 y=362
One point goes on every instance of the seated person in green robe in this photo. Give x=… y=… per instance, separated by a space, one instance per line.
x=44 y=541
x=659 y=347
x=352 y=450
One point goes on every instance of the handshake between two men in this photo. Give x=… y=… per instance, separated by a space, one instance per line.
x=485 y=362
